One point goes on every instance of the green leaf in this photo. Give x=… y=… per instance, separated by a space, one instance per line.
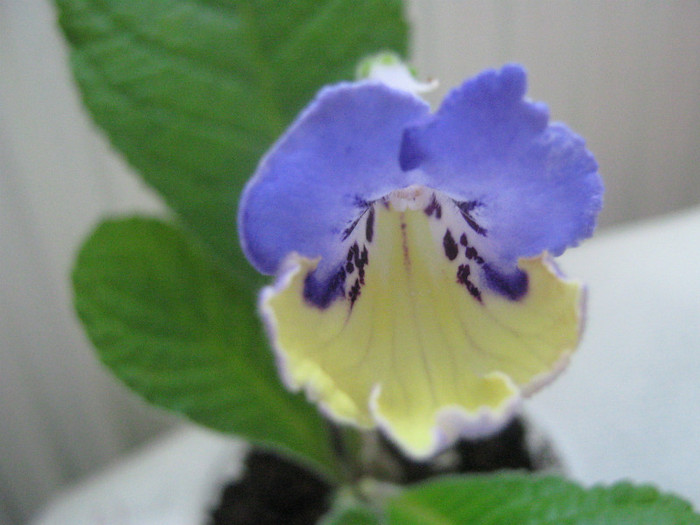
x=507 y=499
x=351 y=516
x=193 y=92
x=185 y=336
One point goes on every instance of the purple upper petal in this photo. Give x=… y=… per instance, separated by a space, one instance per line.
x=536 y=185
x=522 y=186
x=341 y=153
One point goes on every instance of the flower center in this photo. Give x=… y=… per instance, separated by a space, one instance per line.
x=412 y=197
x=406 y=225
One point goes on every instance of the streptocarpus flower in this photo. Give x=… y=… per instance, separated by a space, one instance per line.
x=415 y=289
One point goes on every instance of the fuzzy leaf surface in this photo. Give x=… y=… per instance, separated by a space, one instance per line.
x=530 y=500
x=185 y=335
x=193 y=92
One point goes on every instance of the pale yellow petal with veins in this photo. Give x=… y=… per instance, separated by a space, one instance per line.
x=416 y=353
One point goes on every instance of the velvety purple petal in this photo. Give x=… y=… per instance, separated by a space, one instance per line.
x=528 y=186
x=341 y=153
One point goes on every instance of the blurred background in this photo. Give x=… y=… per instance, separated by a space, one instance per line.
x=625 y=75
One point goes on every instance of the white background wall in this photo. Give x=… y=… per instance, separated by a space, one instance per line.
x=61 y=416
x=626 y=75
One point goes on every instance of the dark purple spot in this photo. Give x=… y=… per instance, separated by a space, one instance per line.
x=360 y=202
x=463 y=240
x=347 y=231
x=406 y=255
x=364 y=256
x=450 y=246
x=353 y=252
x=468 y=206
x=474 y=291
x=463 y=273
x=357 y=257
x=470 y=253
x=322 y=293
x=354 y=292
x=465 y=209
x=514 y=286
x=364 y=206
x=433 y=207
x=369 y=226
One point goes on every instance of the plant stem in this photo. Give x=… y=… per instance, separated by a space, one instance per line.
x=345 y=460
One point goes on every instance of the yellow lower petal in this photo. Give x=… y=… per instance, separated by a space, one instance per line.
x=416 y=353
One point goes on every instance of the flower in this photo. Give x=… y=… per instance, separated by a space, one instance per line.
x=415 y=289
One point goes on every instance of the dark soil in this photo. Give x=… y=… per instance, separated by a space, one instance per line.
x=505 y=450
x=274 y=491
